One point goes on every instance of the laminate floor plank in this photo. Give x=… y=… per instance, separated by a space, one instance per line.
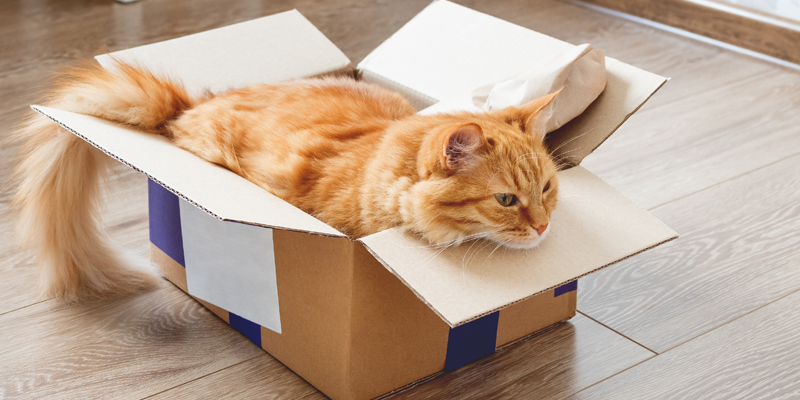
x=261 y=377
x=754 y=357
x=129 y=348
x=669 y=152
x=554 y=364
x=694 y=66
x=739 y=250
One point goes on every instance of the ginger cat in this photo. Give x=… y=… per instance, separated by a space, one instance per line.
x=354 y=155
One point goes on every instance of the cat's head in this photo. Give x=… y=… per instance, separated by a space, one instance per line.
x=487 y=176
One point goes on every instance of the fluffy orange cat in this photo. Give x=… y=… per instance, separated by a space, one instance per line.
x=354 y=155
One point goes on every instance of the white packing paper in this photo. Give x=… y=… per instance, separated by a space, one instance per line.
x=580 y=74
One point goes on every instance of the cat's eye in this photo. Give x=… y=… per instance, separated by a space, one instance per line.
x=505 y=199
x=546 y=187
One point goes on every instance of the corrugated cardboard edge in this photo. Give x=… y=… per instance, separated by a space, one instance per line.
x=450 y=324
x=154 y=179
x=417 y=99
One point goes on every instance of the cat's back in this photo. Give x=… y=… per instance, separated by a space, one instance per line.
x=282 y=135
x=304 y=103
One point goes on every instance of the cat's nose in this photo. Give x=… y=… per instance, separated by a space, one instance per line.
x=542 y=228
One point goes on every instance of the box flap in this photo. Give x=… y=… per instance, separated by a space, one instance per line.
x=594 y=226
x=269 y=49
x=216 y=190
x=447 y=48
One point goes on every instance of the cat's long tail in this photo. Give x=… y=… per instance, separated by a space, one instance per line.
x=58 y=198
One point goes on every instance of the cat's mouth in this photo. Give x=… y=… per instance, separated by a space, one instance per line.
x=524 y=243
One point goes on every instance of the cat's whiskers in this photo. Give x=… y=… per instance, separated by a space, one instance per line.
x=562 y=159
x=490 y=182
x=505 y=251
x=432 y=257
x=463 y=265
x=488 y=243
x=424 y=228
x=467 y=260
x=495 y=249
x=446 y=245
x=436 y=254
x=560 y=166
x=468 y=237
x=573 y=139
x=564 y=155
x=527 y=155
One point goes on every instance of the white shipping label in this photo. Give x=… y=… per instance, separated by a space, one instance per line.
x=231 y=265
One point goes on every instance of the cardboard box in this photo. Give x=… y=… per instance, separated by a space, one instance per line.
x=360 y=318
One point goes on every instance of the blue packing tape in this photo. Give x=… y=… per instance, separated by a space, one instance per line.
x=165 y=221
x=248 y=328
x=471 y=341
x=564 y=289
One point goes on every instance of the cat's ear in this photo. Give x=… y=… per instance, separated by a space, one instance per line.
x=461 y=146
x=536 y=113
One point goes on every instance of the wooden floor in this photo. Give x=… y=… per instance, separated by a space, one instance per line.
x=715 y=154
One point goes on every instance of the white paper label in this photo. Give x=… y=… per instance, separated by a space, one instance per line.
x=231 y=265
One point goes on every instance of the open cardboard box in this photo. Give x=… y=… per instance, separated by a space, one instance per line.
x=359 y=318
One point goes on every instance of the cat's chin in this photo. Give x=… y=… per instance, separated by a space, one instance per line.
x=529 y=244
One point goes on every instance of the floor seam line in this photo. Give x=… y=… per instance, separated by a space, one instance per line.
x=200 y=377
x=24 y=307
x=728 y=322
x=724 y=181
x=677 y=345
x=615 y=374
x=721 y=86
x=618 y=333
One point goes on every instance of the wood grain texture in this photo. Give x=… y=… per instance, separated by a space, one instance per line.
x=693 y=66
x=763 y=37
x=739 y=250
x=262 y=377
x=554 y=364
x=129 y=348
x=754 y=357
x=665 y=153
